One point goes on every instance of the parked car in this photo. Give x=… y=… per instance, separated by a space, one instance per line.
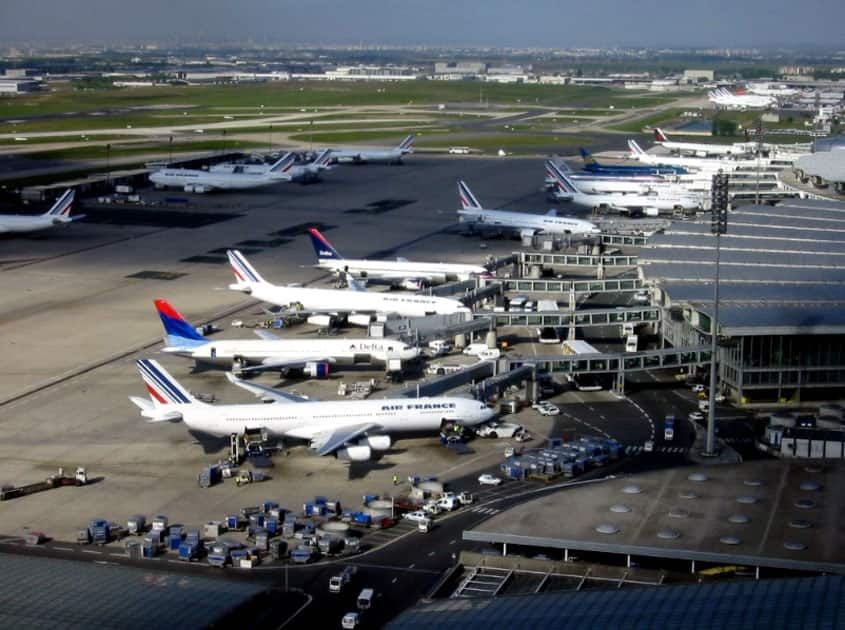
x=499 y=430
x=489 y=480
x=548 y=409
x=648 y=447
x=696 y=416
x=415 y=516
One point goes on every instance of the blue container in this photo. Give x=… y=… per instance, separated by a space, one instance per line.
x=267 y=506
x=175 y=541
x=554 y=442
x=308 y=509
x=149 y=551
x=272 y=525
x=361 y=517
x=369 y=497
x=256 y=520
x=320 y=500
x=238 y=555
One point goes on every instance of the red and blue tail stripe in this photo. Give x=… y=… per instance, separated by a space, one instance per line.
x=468 y=200
x=563 y=182
x=284 y=164
x=63 y=205
x=161 y=386
x=242 y=269
x=407 y=143
x=322 y=247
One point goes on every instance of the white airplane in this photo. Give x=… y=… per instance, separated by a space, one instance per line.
x=400 y=272
x=772 y=89
x=199 y=181
x=360 y=156
x=700 y=149
x=526 y=223
x=301 y=173
x=725 y=98
x=59 y=214
x=355 y=301
x=711 y=165
x=312 y=356
x=350 y=430
x=630 y=203
x=597 y=184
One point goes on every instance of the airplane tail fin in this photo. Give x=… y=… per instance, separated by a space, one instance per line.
x=245 y=274
x=162 y=388
x=587 y=156
x=659 y=135
x=322 y=247
x=283 y=164
x=635 y=148
x=468 y=200
x=60 y=211
x=564 y=183
x=322 y=160
x=406 y=146
x=179 y=331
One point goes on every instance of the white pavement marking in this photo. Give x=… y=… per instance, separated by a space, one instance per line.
x=91 y=551
x=393 y=581
x=412 y=565
x=430 y=553
x=62 y=548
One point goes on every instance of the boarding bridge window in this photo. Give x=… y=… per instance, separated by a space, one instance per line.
x=613 y=364
x=616 y=317
x=598 y=365
x=596 y=286
x=524 y=285
x=580 y=320
x=600 y=318
x=554 y=287
x=633 y=363
x=503 y=320
x=651 y=361
x=517 y=320
x=582 y=366
x=670 y=359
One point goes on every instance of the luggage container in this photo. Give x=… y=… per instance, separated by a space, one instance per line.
x=209 y=476
x=262 y=538
x=213 y=529
x=99 y=531
x=134 y=550
x=268 y=506
x=277 y=549
x=302 y=554
x=271 y=524
x=249 y=510
x=136 y=524
x=288 y=529
x=237 y=555
x=174 y=538
x=149 y=550
x=256 y=520
x=159 y=522
x=189 y=552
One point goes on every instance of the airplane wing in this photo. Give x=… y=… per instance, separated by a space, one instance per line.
x=266 y=393
x=266 y=335
x=276 y=363
x=153 y=414
x=329 y=441
x=353 y=284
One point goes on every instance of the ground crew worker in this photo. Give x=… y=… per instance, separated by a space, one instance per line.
x=395 y=480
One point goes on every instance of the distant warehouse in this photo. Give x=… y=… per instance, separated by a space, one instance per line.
x=782 y=298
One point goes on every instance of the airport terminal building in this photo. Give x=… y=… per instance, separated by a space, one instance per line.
x=782 y=292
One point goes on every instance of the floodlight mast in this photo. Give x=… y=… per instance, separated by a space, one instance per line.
x=718 y=226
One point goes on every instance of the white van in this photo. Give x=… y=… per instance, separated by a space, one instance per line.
x=448 y=503
x=365 y=598
x=474 y=349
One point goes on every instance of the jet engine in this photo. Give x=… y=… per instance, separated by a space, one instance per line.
x=376 y=442
x=354 y=453
x=316 y=369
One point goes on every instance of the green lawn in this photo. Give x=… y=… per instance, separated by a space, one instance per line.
x=660 y=118
x=99 y=152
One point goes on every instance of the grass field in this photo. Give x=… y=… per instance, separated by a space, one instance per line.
x=99 y=152
x=660 y=118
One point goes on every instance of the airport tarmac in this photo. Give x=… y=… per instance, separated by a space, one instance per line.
x=75 y=314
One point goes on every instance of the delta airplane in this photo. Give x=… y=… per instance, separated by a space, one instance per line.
x=591 y=165
x=649 y=204
x=350 y=430
x=312 y=356
x=352 y=301
x=199 y=181
x=724 y=98
x=59 y=214
x=527 y=224
x=701 y=149
x=400 y=272
x=360 y=156
x=300 y=173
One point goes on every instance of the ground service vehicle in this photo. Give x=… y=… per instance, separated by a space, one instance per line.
x=337 y=582
x=669 y=428
x=365 y=598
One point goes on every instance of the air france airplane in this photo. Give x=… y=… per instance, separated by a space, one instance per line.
x=360 y=156
x=198 y=181
x=400 y=272
x=527 y=224
x=355 y=300
x=350 y=430
x=300 y=173
x=632 y=203
x=701 y=149
x=59 y=214
x=312 y=356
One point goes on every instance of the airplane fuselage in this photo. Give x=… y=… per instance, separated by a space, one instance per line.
x=435 y=273
x=523 y=221
x=11 y=223
x=305 y=420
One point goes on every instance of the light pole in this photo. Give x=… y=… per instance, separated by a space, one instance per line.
x=759 y=151
x=170 y=159
x=718 y=226
x=108 y=160
x=270 y=140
